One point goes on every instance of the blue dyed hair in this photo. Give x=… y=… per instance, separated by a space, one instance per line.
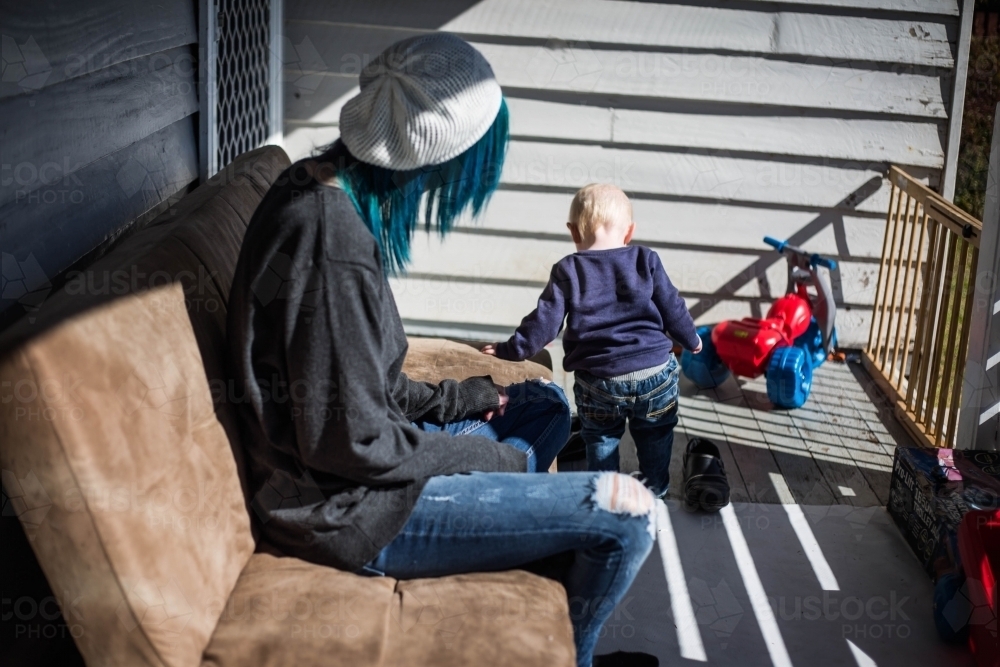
x=392 y=203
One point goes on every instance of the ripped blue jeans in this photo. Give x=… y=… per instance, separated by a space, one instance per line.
x=590 y=531
x=536 y=421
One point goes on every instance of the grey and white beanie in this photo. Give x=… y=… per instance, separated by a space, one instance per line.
x=423 y=101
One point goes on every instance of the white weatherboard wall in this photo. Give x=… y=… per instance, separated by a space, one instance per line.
x=724 y=123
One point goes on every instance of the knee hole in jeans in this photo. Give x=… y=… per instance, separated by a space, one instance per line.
x=621 y=494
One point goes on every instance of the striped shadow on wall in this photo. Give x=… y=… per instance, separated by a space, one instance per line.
x=725 y=121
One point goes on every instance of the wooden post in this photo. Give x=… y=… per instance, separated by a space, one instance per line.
x=961 y=73
x=978 y=422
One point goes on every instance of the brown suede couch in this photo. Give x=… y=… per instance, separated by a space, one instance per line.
x=121 y=460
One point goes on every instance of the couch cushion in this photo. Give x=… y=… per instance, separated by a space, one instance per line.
x=123 y=473
x=501 y=619
x=139 y=517
x=285 y=611
x=434 y=359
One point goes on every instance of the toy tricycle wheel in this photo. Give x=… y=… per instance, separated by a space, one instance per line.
x=705 y=369
x=789 y=377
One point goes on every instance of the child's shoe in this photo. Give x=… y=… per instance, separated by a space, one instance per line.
x=705 y=484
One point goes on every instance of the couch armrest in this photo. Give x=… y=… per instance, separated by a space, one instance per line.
x=436 y=359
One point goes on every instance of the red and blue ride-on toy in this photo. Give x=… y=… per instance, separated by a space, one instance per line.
x=795 y=337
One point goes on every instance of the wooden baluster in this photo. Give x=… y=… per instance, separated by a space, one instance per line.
x=935 y=407
x=930 y=318
x=891 y=279
x=883 y=275
x=913 y=301
x=904 y=296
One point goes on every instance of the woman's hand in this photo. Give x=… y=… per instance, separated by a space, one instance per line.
x=697 y=349
x=490 y=349
x=498 y=412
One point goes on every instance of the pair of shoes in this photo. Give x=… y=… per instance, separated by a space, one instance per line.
x=705 y=484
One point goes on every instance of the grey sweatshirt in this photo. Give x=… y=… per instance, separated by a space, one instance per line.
x=316 y=348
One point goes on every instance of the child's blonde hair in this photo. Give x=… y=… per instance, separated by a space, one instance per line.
x=597 y=206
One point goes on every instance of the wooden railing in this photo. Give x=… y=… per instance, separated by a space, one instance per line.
x=920 y=323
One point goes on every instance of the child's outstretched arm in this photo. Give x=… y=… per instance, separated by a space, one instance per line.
x=676 y=318
x=539 y=327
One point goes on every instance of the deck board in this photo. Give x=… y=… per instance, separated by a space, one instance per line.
x=820 y=449
x=755 y=465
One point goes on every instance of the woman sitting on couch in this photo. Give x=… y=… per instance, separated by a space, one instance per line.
x=356 y=466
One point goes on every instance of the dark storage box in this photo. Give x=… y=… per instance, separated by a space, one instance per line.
x=931 y=491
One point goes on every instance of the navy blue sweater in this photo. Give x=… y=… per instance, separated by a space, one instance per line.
x=621 y=312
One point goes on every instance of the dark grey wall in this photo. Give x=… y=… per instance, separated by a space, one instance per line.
x=98 y=126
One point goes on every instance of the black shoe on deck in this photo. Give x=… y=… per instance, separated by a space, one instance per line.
x=705 y=484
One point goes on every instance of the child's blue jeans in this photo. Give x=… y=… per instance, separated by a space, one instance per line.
x=649 y=405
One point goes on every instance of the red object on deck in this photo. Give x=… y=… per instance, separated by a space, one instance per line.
x=979 y=546
x=793 y=312
x=745 y=346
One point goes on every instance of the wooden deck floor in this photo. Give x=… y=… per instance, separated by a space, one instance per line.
x=836 y=449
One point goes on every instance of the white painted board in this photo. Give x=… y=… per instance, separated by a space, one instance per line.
x=943 y=7
x=888 y=141
x=673 y=26
x=829 y=83
x=711 y=78
x=542 y=215
x=689 y=175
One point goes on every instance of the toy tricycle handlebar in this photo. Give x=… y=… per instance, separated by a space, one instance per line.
x=814 y=259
